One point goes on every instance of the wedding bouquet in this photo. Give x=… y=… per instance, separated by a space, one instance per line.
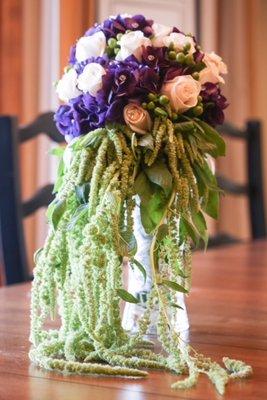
x=140 y=104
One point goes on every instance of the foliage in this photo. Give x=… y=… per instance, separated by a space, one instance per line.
x=79 y=271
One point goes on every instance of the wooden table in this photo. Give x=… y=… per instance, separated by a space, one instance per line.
x=228 y=314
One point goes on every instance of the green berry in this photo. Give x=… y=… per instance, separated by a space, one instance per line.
x=116 y=50
x=151 y=105
x=144 y=105
x=110 y=51
x=152 y=97
x=198 y=110
x=199 y=98
x=164 y=100
x=160 y=112
x=195 y=75
x=180 y=58
x=189 y=60
x=119 y=36
x=171 y=46
x=187 y=47
x=172 y=55
x=112 y=43
x=174 y=116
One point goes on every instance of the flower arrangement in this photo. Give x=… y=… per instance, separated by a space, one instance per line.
x=140 y=104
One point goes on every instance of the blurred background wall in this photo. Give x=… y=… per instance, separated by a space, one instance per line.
x=35 y=37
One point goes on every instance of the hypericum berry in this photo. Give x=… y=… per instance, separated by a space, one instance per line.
x=171 y=46
x=198 y=110
x=199 y=98
x=195 y=75
x=160 y=112
x=151 y=105
x=172 y=55
x=189 y=60
x=119 y=36
x=164 y=100
x=180 y=58
x=174 y=116
x=152 y=97
x=112 y=43
x=144 y=105
x=187 y=47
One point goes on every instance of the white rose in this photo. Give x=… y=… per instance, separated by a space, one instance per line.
x=179 y=40
x=67 y=86
x=90 y=79
x=214 y=68
x=182 y=91
x=159 y=33
x=90 y=46
x=131 y=44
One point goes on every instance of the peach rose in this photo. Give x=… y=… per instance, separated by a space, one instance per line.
x=137 y=118
x=214 y=68
x=182 y=92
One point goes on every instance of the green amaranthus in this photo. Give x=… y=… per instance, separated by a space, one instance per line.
x=79 y=271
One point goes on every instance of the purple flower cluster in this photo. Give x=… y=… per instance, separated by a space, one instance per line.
x=214 y=104
x=131 y=79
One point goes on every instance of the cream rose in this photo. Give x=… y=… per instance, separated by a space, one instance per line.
x=67 y=86
x=131 y=43
x=90 y=80
x=182 y=92
x=137 y=118
x=159 y=33
x=214 y=68
x=179 y=40
x=90 y=46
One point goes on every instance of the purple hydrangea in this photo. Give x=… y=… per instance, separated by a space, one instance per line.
x=120 y=24
x=214 y=104
x=80 y=116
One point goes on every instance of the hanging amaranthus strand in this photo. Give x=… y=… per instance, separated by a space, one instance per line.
x=79 y=270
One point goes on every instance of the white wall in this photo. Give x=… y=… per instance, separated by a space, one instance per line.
x=180 y=13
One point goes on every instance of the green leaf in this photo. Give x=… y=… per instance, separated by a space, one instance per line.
x=211 y=207
x=213 y=137
x=175 y=286
x=55 y=212
x=57 y=151
x=206 y=181
x=128 y=245
x=201 y=226
x=159 y=174
x=80 y=211
x=140 y=267
x=153 y=202
x=82 y=192
x=60 y=174
x=126 y=296
x=177 y=306
x=187 y=229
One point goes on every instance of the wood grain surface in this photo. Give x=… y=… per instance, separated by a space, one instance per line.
x=228 y=316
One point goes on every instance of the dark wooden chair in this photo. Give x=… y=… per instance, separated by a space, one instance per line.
x=254 y=186
x=12 y=209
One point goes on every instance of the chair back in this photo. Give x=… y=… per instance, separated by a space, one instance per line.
x=254 y=186
x=12 y=208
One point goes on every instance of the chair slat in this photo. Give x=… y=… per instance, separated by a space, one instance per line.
x=42 y=124
x=231 y=187
x=42 y=198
